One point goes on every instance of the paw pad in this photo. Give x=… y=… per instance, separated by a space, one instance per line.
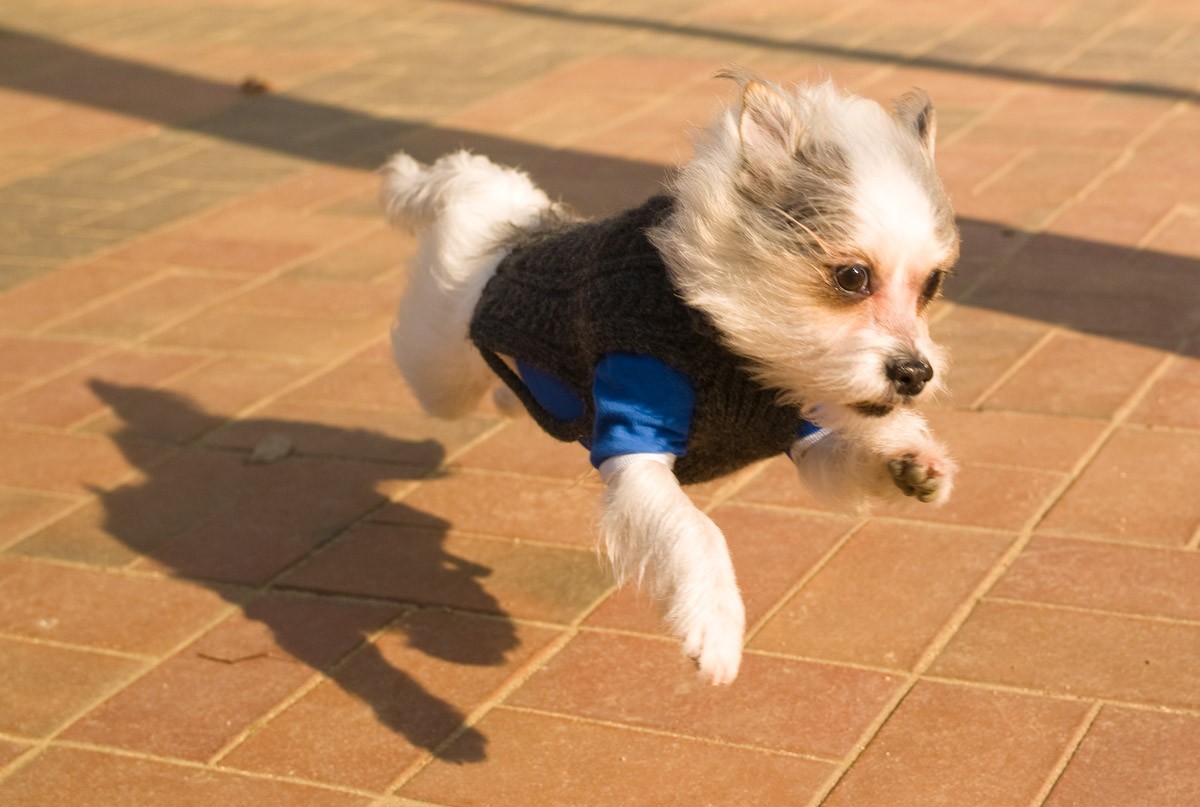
x=915 y=478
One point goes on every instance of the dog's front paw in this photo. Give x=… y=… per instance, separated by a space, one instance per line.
x=712 y=636
x=926 y=475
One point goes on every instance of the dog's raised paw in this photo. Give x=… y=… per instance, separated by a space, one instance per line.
x=924 y=478
x=713 y=639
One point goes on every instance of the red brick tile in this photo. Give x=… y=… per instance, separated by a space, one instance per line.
x=244 y=256
x=133 y=314
x=43 y=687
x=293 y=336
x=587 y=765
x=61 y=292
x=369 y=380
x=28 y=358
x=76 y=128
x=61 y=463
x=523 y=448
x=196 y=402
x=280 y=513
x=1027 y=440
x=779 y=484
x=885 y=595
x=147 y=512
x=342 y=430
x=1181 y=236
x=1036 y=185
x=391 y=700
x=503 y=506
x=1076 y=653
x=955 y=745
x=321 y=185
x=78 y=776
x=197 y=701
x=1095 y=287
x=775 y=703
x=252 y=219
x=21 y=512
x=1139 y=488
x=477 y=574
x=70 y=398
x=1133 y=757
x=983 y=345
x=1087 y=574
x=99 y=609
x=316 y=298
x=378 y=253
x=10 y=751
x=1174 y=398
x=771 y=550
x=986 y=496
x=1103 y=373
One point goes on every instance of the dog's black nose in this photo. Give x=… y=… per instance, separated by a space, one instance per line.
x=909 y=374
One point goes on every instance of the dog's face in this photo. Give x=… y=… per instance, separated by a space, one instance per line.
x=812 y=228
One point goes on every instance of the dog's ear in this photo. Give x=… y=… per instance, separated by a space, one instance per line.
x=914 y=109
x=768 y=127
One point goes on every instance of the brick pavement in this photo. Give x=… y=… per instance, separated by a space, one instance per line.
x=402 y=611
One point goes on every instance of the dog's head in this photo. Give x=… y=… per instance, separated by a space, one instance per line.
x=812 y=228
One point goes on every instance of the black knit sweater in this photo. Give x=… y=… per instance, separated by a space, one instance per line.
x=566 y=297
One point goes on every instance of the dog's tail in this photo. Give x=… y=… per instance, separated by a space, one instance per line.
x=463 y=184
x=466 y=209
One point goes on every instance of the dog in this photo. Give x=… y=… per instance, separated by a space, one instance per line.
x=773 y=300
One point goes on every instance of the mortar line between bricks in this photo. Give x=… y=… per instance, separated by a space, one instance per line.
x=1068 y=753
x=200 y=766
x=1157 y=227
x=251 y=283
x=967 y=607
x=312 y=682
x=1104 y=612
x=320 y=675
x=804 y=579
x=1034 y=692
x=1015 y=367
x=1113 y=542
x=540 y=543
x=515 y=681
x=518 y=678
x=98 y=650
x=1025 y=235
x=39 y=168
x=659 y=732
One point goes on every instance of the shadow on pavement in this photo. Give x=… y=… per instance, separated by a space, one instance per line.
x=211 y=515
x=1135 y=295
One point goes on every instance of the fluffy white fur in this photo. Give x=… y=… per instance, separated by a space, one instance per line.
x=463 y=206
x=785 y=187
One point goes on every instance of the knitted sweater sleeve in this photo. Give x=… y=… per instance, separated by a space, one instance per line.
x=643 y=406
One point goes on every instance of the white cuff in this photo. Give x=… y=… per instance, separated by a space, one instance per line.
x=800 y=447
x=613 y=465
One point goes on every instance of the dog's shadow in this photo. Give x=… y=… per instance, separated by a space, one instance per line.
x=214 y=514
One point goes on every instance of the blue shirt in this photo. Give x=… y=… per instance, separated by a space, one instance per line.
x=642 y=406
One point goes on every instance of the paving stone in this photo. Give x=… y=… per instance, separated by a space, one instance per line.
x=586 y=764
x=947 y=744
x=190 y=271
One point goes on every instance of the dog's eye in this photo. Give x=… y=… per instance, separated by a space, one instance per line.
x=854 y=278
x=933 y=285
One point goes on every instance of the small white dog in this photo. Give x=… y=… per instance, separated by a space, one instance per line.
x=773 y=301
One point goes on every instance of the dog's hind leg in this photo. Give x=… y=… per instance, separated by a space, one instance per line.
x=654 y=535
x=463 y=207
